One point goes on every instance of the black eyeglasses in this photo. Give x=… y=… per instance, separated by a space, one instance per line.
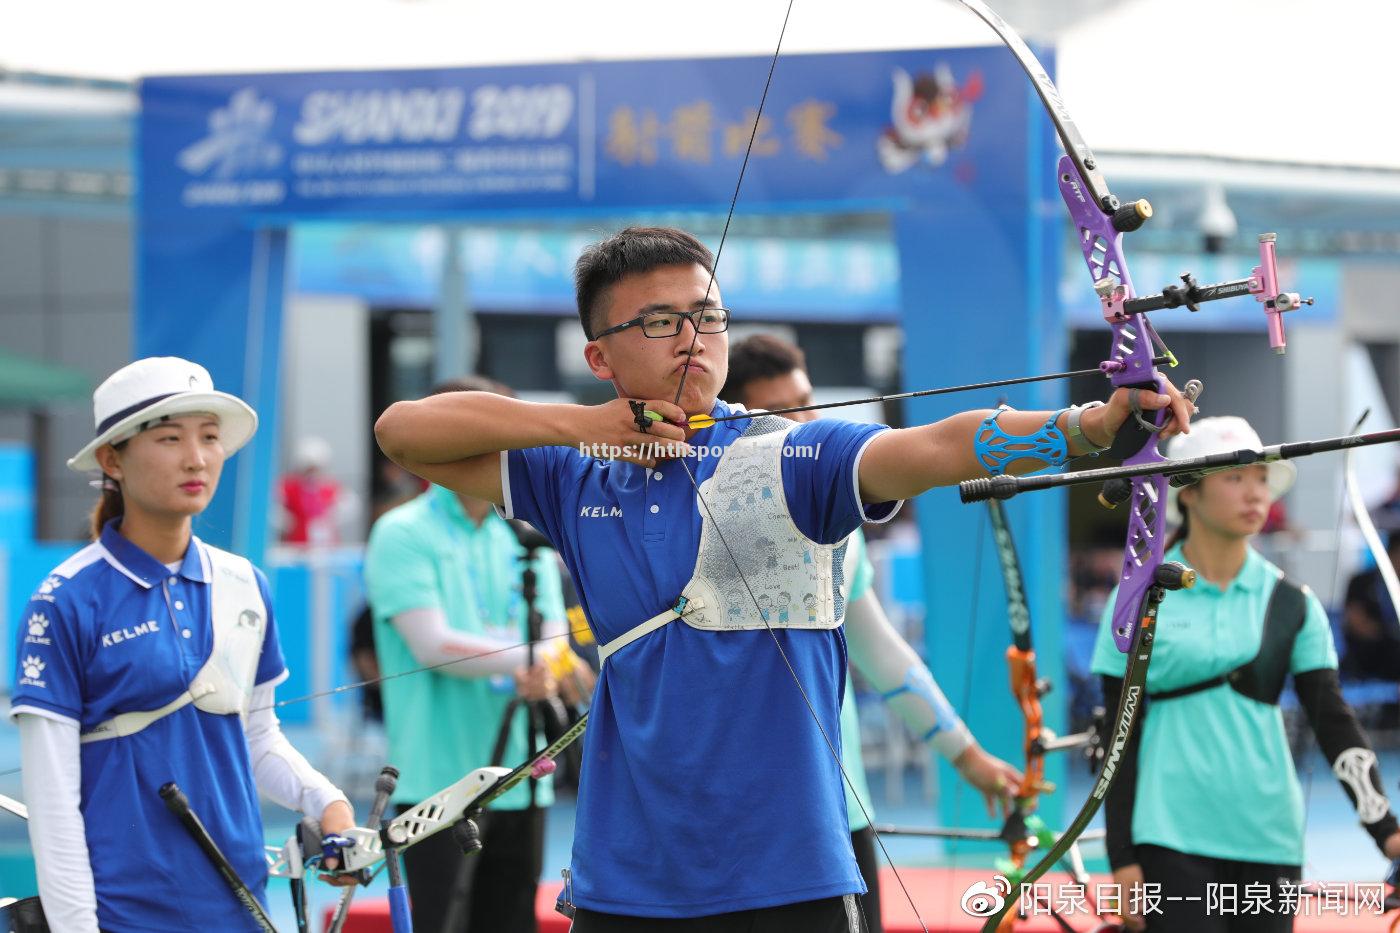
x=668 y=323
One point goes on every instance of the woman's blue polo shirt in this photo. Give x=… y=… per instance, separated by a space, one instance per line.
x=112 y=630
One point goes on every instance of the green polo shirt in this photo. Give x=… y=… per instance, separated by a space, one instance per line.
x=427 y=554
x=1215 y=775
x=860 y=575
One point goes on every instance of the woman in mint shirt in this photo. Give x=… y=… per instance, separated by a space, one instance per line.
x=1210 y=795
x=443 y=579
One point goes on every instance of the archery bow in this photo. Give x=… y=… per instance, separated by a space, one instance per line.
x=1101 y=220
x=1022 y=830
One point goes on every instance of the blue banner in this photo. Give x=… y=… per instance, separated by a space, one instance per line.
x=859 y=126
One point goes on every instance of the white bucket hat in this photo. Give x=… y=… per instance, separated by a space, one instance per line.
x=1218 y=435
x=161 y=387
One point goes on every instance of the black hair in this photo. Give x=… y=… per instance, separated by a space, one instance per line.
x=632 y=251
x=111 y=504
x=761 y=356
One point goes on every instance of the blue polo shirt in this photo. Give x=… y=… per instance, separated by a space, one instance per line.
x=706 y=785
x=112 y=630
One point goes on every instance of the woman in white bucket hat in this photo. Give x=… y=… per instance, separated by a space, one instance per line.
x=150 y=657
x=1210 y=795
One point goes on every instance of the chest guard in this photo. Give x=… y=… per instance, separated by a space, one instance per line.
x=1262 y=678
x=224 y=685
x=796 y=582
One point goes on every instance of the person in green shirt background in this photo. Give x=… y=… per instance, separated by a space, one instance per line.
x=768 y=373
x=443 y=580
x=1209 y=794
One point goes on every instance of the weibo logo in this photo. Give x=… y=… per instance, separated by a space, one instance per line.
x=984 y=900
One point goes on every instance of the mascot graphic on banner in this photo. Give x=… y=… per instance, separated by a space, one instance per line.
x=930 y=115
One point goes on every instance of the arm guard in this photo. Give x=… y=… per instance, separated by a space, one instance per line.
x=896 y=670
x=1347 y=750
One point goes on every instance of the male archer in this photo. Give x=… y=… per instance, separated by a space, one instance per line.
x=712 y=795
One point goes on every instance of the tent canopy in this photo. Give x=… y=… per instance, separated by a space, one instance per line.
x=27 y=383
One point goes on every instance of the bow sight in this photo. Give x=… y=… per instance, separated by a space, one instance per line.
x=1262 y=284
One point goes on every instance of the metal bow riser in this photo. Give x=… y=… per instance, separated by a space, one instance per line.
x=438 y=812
x=1129 y=365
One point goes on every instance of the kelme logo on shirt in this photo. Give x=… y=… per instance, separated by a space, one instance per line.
x=45 y=590
x=127 y=634
x=32 y=667
x=600 y=511
x=38 y=627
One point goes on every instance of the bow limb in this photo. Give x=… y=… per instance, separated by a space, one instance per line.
x=1023 y=830
x=1363 y=521
x=1026 y=687
x=1386 y=568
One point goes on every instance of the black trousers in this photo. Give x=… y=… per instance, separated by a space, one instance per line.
x=1188 y=877
x=863 y=841
x=829 y=915
x=490 y=892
